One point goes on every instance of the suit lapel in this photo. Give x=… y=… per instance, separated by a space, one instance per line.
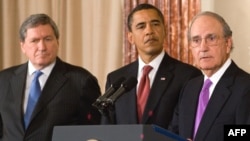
x=53 y=84
x=128 y=100
x=17 y=84
x=190 y=99
x=163 y=77
x=129 y=106
x=216 y=102
x=213 y=109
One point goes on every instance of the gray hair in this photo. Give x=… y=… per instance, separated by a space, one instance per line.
x=35 y=20
x=226 y=29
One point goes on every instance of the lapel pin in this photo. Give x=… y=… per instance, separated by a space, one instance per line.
x=163 y=78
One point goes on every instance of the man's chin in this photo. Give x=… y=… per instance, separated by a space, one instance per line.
x=43 y=63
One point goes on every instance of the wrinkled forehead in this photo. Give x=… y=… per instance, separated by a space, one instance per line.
x=205 y=25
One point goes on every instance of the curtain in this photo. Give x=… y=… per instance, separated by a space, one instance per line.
x=178 y=14
x=92 y=32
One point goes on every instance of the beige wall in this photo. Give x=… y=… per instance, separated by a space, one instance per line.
x=237 y=14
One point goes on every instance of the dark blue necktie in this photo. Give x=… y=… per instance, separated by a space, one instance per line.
x=35 y=91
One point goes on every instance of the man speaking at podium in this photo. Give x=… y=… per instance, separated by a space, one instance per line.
x=222 y=95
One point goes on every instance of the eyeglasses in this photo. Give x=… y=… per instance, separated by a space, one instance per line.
x=210 y=40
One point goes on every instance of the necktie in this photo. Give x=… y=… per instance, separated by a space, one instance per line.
x=143 y=91
x=35 y=91
x=203 y=100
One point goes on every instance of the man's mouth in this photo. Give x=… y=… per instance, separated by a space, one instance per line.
x=150 y=40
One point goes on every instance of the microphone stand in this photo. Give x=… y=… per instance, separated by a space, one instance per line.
x=106 y=105
x=107 y=109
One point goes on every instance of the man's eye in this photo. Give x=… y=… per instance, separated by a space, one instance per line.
x=212 y=38
x=48 y=39
x=34 y=41
x=156 y=23
x=140 y=27
x=196 y=40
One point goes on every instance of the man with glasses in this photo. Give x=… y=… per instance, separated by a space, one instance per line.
x=228 y=92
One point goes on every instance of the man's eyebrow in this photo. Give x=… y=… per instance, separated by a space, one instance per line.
x=156 y=20
x=207 y=35
x=140 y=23
x=196 y=36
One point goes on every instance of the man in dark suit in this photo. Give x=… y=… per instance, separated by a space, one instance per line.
x=229 y=94
x=67 y=91
x=167 y=77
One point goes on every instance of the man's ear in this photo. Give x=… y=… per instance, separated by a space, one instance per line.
x=229 y=44
x=22 y=47
x=130 y=38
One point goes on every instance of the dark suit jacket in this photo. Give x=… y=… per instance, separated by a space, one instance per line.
x=229 y=104
x=170 y=78
x=65 y=100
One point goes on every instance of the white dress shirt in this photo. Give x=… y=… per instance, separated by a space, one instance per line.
x=154 y=63
x=42 y=79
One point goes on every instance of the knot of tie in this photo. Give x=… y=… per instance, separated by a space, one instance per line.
x=147 y=69
x=144 y=82
x=37 y=74
x=207 y=84
x=35 y=89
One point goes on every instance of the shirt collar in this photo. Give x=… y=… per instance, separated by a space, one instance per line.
x=154 y=63
x=216 y=76
x=46 y=71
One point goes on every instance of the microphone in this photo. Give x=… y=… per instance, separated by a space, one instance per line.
x=125 y=86
x=108 y=92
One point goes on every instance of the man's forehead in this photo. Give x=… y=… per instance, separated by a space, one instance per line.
x=148 y=13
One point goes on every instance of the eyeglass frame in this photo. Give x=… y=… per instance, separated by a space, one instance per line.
x=210 y=40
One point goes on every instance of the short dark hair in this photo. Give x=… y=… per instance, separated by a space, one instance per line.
x=142 y=7
x=35 y=20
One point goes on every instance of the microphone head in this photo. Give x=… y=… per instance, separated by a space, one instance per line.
x=129 y=83
x=125 y=86
x=118 y=83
